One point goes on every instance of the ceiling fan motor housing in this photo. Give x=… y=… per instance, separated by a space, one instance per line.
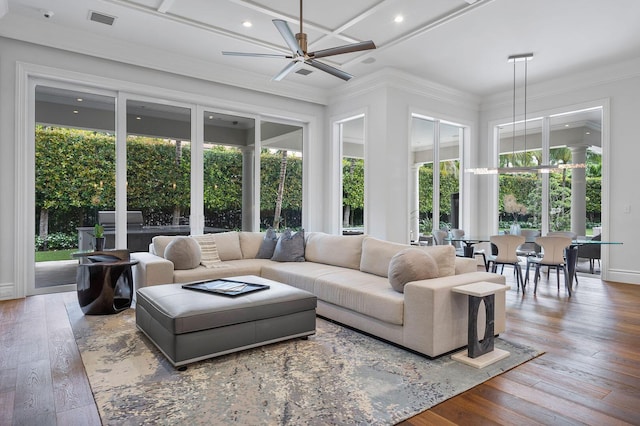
x=302 y=41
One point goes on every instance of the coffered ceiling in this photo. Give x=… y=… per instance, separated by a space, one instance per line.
x=462 y=44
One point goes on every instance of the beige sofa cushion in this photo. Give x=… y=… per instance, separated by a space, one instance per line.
x=228 y=244
x=445 y=257
x=338 y=250
x=250 y=243
x=160 y=243
x=376 y=255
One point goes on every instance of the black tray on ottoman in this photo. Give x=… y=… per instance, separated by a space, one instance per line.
x=189 y=326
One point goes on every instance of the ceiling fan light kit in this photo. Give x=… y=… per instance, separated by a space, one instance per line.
x=299 y=55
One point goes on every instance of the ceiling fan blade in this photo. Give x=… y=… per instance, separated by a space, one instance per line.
x=286 y=70
x=355 y=47
x=258 y=55
x=329 y=69
x=288 y=36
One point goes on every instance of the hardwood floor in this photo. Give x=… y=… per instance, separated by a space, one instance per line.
x=589 y=373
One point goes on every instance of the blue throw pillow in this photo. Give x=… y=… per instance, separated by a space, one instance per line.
x=290 y=247
x=268 y=245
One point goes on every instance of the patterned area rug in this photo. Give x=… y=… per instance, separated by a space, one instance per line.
x=337 y=376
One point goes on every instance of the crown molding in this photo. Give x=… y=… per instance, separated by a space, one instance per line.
x=400 y=80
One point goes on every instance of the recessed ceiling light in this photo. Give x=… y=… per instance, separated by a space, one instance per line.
x=75 y=111
x=247 y=24
x=138 y=118
x=566 y=125
x=211 y=117
x=79 y=99
x=587 y=133
x=369 y=60
x=398 y=19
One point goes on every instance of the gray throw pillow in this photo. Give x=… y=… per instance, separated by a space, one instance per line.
x=289 y=248
x=268 y=245
x=411 y=264
x=184 y=252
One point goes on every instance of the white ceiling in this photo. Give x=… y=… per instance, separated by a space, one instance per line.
x=458 y=43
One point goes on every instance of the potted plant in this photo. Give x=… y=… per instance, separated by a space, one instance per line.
x=512 y=206
x=98 y=236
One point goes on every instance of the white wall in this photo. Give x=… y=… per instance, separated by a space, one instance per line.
x=617 y=86
x=15 y=271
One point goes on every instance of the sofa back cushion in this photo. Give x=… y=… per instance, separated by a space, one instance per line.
x=250 y=243
x=337 y=250
x=445 y=257
x=228 y=244
x=160 y=243
x=376 y=255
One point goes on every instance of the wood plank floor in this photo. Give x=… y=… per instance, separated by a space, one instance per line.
x=589 y=374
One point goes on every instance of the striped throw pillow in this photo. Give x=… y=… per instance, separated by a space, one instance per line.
x=209 y=257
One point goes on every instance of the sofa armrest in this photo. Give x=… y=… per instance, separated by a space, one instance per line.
x=151 y=270
x=465 y=265
x=431 y=305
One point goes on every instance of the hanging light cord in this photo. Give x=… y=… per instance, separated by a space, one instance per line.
x=513 y=124
x=526 y=65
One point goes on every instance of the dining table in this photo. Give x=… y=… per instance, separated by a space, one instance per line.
x=468 y=250
x=571 y=252
x=571 y=257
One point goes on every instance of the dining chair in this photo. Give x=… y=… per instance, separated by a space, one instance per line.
x=439 y=236
x=553 y=249
x=459 y=233
x=507 y=246
x=591 y=252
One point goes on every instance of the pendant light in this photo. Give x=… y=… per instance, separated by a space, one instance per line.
x=515 y=59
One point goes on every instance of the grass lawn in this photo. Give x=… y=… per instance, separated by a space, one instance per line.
x=43 y=256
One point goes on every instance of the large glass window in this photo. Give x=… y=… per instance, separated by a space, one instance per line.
x=74 y=177
x=436 y=142
x=158 y=171
x=567 y=197
x=520 y=194
x=229 y=141
x=281 y=175
x=353 y=183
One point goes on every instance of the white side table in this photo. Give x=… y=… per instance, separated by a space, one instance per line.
x=480 y=353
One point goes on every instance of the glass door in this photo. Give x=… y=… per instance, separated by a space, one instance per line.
x=74 y=178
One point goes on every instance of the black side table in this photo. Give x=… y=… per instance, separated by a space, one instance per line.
x=105 y=281
x=481 y=353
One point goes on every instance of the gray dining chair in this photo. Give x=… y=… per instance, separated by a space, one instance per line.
x=591 y=252
x=439 y=237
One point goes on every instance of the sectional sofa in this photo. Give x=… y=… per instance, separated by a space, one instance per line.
x=350 y=277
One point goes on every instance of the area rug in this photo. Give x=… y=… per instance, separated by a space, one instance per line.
x=337 y=376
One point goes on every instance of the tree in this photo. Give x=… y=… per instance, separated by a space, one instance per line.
x=281 y=179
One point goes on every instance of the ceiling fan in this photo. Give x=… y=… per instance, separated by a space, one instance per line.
x=299 y=54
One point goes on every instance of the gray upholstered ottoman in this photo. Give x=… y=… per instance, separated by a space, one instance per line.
x=189 y=326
